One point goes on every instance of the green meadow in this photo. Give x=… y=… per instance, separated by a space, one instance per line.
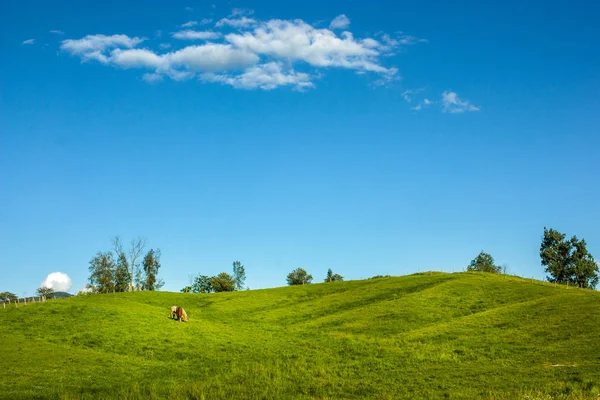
x=423 y=336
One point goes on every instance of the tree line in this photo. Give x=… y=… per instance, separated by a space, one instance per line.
x=222 y=282
x=566 y=261
x=125 y=270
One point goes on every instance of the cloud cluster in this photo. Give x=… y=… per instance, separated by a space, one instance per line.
x=451 y=103
x=57 y=281
x=246 y=53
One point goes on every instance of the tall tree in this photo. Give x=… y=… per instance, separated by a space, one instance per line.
x=136 y=250
x=202 y=284
x=567 y=261
x=44 y=291
x=299 y=277
x=123 y=276
x=102 y=273
x=223 y=282
x=331 y=277
x=484 y=262
x=239 y=275
x=151 y=265
x=8 y=297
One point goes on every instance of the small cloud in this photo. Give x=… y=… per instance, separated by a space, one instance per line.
x=58 y=281
x=236 y=12
x=242 y=22
x=164 y=46
x=188 y=8
x=427 y=102
x=57 y=32
x=409 y=40
x=205 y=21
x=408 y=95
x=29 y=41
x=340 y=22
x=195 y=35
x=189 y=24
x=152 y=77
x=452 y=104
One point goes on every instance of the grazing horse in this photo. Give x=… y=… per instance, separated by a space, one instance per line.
x=181 y=315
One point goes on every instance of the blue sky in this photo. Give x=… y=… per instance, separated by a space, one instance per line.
x=370 y=138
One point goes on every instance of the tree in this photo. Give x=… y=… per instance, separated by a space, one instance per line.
x=331 y=277
x=299 y=277
x=202 y=284
x=102 y=273
x=151 y=265
x=223 y=282
x=187 y=289
x=136 y=250
x=44 y=291
x=567 y=261
x=239 y=275
x=8 y=297
x=483 y=263
x=123 y=276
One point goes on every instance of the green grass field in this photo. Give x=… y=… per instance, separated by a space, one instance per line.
x=433 y=335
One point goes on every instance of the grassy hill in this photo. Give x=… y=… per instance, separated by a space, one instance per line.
x=433 y=335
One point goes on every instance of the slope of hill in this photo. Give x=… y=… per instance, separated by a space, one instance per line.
x=431 y=335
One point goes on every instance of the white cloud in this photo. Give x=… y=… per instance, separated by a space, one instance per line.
x=297 y=40
x=340 y=22
x=211 y=57
x=57 y=32
x=137 y=58
x=451 y=103
x=265 y=76
x=409 y=40
x=242 y=22
x=241 y=11
x=408 y=95
x=29 y=41
x=189 y=24
x=58 y=281
x=152 y=77
x=92 y=43
x=188 y=9
x=196 y=35
x=205 y=21
x=262 y=55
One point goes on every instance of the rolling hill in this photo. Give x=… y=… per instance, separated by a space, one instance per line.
x=432 y=335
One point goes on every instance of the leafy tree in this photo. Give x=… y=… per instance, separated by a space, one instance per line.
x=239 y=275
x=331 y=277
x=44 y=292
x=151 y=265
x=122 y=276
x=299 y=277
x=202 y=284
x=187 y=289
x=223 y=282
x=483 y=263
x=7 y=297
x=102 y=273
x=568 y=261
